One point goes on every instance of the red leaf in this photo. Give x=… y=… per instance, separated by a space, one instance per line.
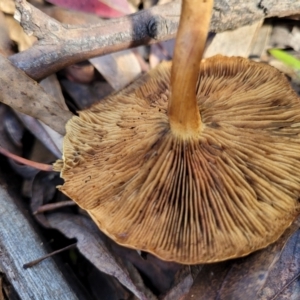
x=102 y=8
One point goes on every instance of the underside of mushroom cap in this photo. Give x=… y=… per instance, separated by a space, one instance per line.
x=230 y=191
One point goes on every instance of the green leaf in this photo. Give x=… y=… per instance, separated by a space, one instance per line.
x=286 y=58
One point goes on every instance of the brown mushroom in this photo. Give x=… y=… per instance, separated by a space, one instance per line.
x=211 y=177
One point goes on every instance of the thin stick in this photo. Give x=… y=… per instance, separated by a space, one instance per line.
x=36 y=165
x=35 y=262
x=184 y=116
x=53 y=206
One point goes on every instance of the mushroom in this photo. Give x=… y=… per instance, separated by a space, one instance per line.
x=202 y=171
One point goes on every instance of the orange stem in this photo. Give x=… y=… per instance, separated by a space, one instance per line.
x=183 y=111
x=24 y=161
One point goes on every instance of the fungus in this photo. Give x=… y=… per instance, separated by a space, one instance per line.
x=202 y=171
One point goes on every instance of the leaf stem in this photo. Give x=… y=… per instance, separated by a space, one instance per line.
x=24 y=161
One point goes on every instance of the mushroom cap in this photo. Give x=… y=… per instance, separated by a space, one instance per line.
x=230 y=191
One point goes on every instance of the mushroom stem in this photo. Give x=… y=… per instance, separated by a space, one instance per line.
x=183 y=111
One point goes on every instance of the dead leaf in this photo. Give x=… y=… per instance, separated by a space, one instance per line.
x=7 y=6
x=103 y=8
x=35 y=127
x=280 y=36
x=119 y=69
x=42 y=192
x=238 y=42
x=92 y=246
x=160 y=274
x=24 y=95
x=6 y=129
x=161 y=51
x=264 y=275
x=17 y=34
x=106 y=287
x=295 y=38
x=5 y=42
x=81 y=73
x=68 y=16
x=13 y=126
x=182 y=284
x=85 y=95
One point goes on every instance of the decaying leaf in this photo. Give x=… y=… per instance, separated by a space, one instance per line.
x=12 y=125
x=37 y=129
x=5 y=42
x=84 y=95
x=182 y=284
x=18 y=35
x=7 y=6
x=267 y=274
x=103 y=8
x=93 y=247
x=119 y=69
x=24 y=95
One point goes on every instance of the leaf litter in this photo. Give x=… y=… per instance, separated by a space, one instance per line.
x=272 y=273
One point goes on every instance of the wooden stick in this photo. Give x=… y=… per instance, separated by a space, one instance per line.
x=37 y=261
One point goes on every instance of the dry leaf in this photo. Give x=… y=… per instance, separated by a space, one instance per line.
x=7 y=6
x=181 y=285
x=91 y=245
x=160 y=274
x=106 y=287
x=295 y=38
x=36 y=128
x=267 y=274
x=103 y=8
x=236 y=42
x=161 y=51
x=14 y=128
x=5 y=42
x=52 y=87
x=24 y=95
x=18 y=35
x=119 y=69
x=81 y=73
x=85 y=95
x=42 y=192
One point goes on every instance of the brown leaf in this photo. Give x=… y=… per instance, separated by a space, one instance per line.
x=93 y=247
x=264 y=275
x=161 y=51
x=106 y=287
x=7 y=6
x=35 y=127
x=85 y=95
x=42 y=192
x=9 y=138
x=160 y=274
x=18 y=35
x=119 y=69
x=181 y=286
x=5 y=42
x=14 y=128
x=25 y=95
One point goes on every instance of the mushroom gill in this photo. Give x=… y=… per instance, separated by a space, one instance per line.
x=224 y=192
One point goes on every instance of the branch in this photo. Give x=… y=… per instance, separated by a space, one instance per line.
x=61 y=45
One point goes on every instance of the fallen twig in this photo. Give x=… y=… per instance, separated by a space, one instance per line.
x=61 y=45
x=37 y=261
x=53 y=206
